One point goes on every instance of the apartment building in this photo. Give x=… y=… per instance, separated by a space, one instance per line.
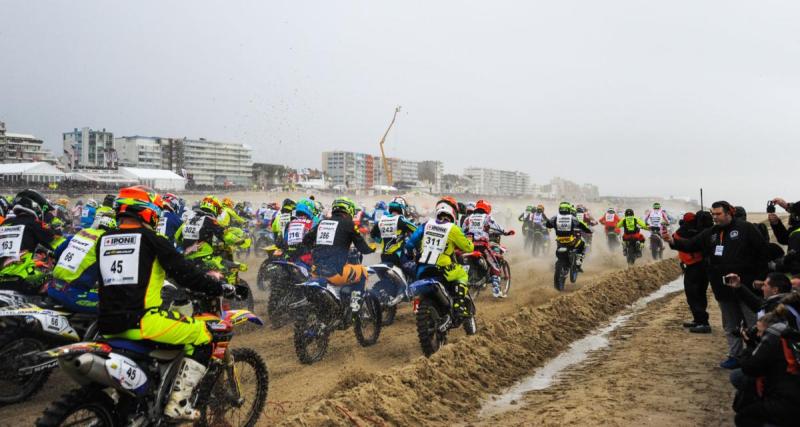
x=205 y=162
x=23 y=148
x=496 y=182
x=89 y=148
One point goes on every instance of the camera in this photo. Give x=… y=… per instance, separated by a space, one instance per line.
x=770 y=207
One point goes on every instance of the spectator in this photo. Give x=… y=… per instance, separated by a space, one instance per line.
x=790 y=237
x=741 y=213
x=770 y=391
x=730 y=246
x=773 y=290
x=695 y=277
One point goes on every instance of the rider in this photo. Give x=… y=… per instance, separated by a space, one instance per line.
x=526 y=218
x=228 y=216
x=610 y=221
x=282 y=219
x=656 y=218
x=393 y=229
x=567 y=227
x=19 y=237
x=196 y=235
x=437 y=241
x=482 y=228
x=134 y=262
x=331 y=240
x=170 y=221
x=107 y=208
x=266 y=213
x=539 y=220
x=292 y=243
x=631 y=226
x=76 y=273
x=88 y=213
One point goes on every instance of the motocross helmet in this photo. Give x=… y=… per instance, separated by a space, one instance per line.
x=540 y=208
x=5 y=206
x=227 y=202
x=108 y=200
x=628 y=212
x=483 y=205
x=656 y=205
x=31 y=202
x=564 y=208
x=395 y=207
x=211 y=205
x=139 y=202
x=344 y=205
x=105 y=223
x=529 y=208
x=309 y=207
x=444 y=209
x=91 y=203
x=304 y=209
x=380 y=205
x=288 y=205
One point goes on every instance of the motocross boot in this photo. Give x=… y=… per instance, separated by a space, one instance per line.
x=179 y=406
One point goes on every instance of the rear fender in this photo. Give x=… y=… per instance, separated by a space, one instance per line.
x=238 y=317
x=391 y=273
x=320 y=286
x=433 y=289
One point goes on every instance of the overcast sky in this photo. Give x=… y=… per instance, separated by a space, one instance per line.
x=638 y=97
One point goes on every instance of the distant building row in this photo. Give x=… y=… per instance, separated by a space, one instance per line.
x=203 y=162
x=356 y=171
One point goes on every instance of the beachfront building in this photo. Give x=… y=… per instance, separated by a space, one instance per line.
x=88 y=148
x=23 y=148
x=494 y=182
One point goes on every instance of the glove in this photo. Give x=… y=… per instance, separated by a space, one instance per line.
x=510 y=233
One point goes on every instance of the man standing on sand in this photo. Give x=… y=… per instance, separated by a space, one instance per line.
x=730 y=246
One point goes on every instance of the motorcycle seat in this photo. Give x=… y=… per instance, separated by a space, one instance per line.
x=146 y=348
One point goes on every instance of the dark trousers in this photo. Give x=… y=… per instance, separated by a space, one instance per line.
x=695 y=285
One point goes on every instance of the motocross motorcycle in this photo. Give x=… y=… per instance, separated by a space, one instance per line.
x=612 y=238
x=25 y=331
x=391 y=289
x=565 y=267
x=325 y=308
x=632 y=249
x=435 y=314
x=479 y=271
x=129 y=382
x=282 y=275
x=656 y=244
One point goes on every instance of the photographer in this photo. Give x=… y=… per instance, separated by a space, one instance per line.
x=773 y=289
x=730 y=246
x=790 y=237
x=768 y=393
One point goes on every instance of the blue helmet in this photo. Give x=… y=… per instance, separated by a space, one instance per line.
x=306 y=207
x=395 y=207
x=380 y=205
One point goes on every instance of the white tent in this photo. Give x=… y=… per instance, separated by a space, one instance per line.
x=28 y=173
x=159 y=179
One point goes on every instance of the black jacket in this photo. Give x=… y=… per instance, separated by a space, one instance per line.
x=780 y=401
x=123 y=301
x=743 y=251
x=331 y=251
x=36 y=232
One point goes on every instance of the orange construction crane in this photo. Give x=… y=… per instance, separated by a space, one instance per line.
x=386 y=169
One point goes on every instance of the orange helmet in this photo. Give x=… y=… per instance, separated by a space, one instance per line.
x=484 y=206
x=139 y=202
x=211 y=204
x=227 y=202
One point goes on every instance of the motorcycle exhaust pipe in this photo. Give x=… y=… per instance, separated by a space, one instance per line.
x=88 y=368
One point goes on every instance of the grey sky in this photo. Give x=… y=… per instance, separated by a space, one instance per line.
x=638 y=97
